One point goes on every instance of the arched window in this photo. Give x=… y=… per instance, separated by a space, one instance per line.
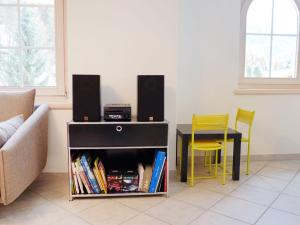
x=270 y=41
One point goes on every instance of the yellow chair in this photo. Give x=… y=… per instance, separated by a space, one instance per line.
x=206 y=123
x=246 y=117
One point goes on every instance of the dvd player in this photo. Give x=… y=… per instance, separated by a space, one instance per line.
x=117 y=112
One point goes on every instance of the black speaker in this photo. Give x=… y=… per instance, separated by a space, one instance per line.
x=86 y=98
x=150 y=104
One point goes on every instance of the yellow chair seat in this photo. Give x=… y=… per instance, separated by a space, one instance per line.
x=206 y=145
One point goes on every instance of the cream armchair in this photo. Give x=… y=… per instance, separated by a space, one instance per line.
x=24 y=155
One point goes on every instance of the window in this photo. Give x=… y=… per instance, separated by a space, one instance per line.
x=31 y=45
x=270 y=44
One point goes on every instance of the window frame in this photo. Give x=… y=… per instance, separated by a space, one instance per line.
x=60 y=88
x=264 y=85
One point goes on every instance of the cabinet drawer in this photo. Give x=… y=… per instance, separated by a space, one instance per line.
x=118 y=135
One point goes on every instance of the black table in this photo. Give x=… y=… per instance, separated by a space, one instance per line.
x=185 y=132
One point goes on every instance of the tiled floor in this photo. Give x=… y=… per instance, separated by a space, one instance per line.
x=269 y=196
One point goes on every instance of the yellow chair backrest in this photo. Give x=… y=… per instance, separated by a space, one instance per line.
x=209 y=122
x=246 y=117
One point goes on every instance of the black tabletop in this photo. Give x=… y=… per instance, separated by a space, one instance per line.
x=186 y=129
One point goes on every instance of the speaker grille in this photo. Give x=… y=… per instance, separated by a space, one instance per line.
x=86 y=98
x=150 y=104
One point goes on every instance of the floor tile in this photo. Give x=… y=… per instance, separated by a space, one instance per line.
x=279 y=173
x=293 y=189
x=46 y=213
x=276 y=217
x=199 y=197
x=267 y=183
x=27 y=200
x=255 y=166
x=77 y=204
x=297 y=178
x=6 y=221
x=288 y=203
x=254 y=194
x=286 y=164
x=107 y=212
x=140 y=203
x=71 y=220
x=177 y=186
x=145 y=220
x=175 y=212
x=216 y=186
x=239 y=209
x=212 y=218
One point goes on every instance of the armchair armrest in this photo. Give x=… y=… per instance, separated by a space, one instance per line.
x=24 y=155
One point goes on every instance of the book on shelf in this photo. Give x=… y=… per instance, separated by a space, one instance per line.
x=130 y=181
x=141 y=175
x=83 y=177
x=102 y=173
x=78 y=178
x=75 y=181
x=99 y=177
x=85 y=162
x=89 y=176
x=159 y=161
x=160 y=187
x=147 y=178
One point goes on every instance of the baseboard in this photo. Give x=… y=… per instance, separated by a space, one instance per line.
x=273 y=157
x=269 y=157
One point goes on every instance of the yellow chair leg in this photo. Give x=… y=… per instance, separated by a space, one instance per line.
x=209 y=154
x=205 y=159
x=192 y=168
x=224 y=166
x=248 y=160
x=216 y=164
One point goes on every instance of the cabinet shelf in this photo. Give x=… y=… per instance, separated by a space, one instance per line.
x=117 y=195
x=104 y=138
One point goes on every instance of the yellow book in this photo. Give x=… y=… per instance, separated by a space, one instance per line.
x=98 y=179
x=98 y=176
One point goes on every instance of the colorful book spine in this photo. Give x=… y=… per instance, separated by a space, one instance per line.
x=76 y=191
x=158 y=166
x=101 y=168
x=78 y=178
x=89 y=174
x=83 y=177
x=160 y=177
x=99 y=176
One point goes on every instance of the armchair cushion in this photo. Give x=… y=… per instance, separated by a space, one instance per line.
x=16 y=103
x=9 y=127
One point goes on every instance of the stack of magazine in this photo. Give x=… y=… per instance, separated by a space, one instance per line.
x=89 y=175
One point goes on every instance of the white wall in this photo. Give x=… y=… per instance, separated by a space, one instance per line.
x=119 y=40
x=208 y=58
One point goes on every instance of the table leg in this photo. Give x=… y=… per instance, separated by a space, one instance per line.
x=219 y=156
x=236 y=158
x=184 y=158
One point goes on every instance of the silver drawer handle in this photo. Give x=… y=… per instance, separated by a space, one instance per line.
x=119 y=128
